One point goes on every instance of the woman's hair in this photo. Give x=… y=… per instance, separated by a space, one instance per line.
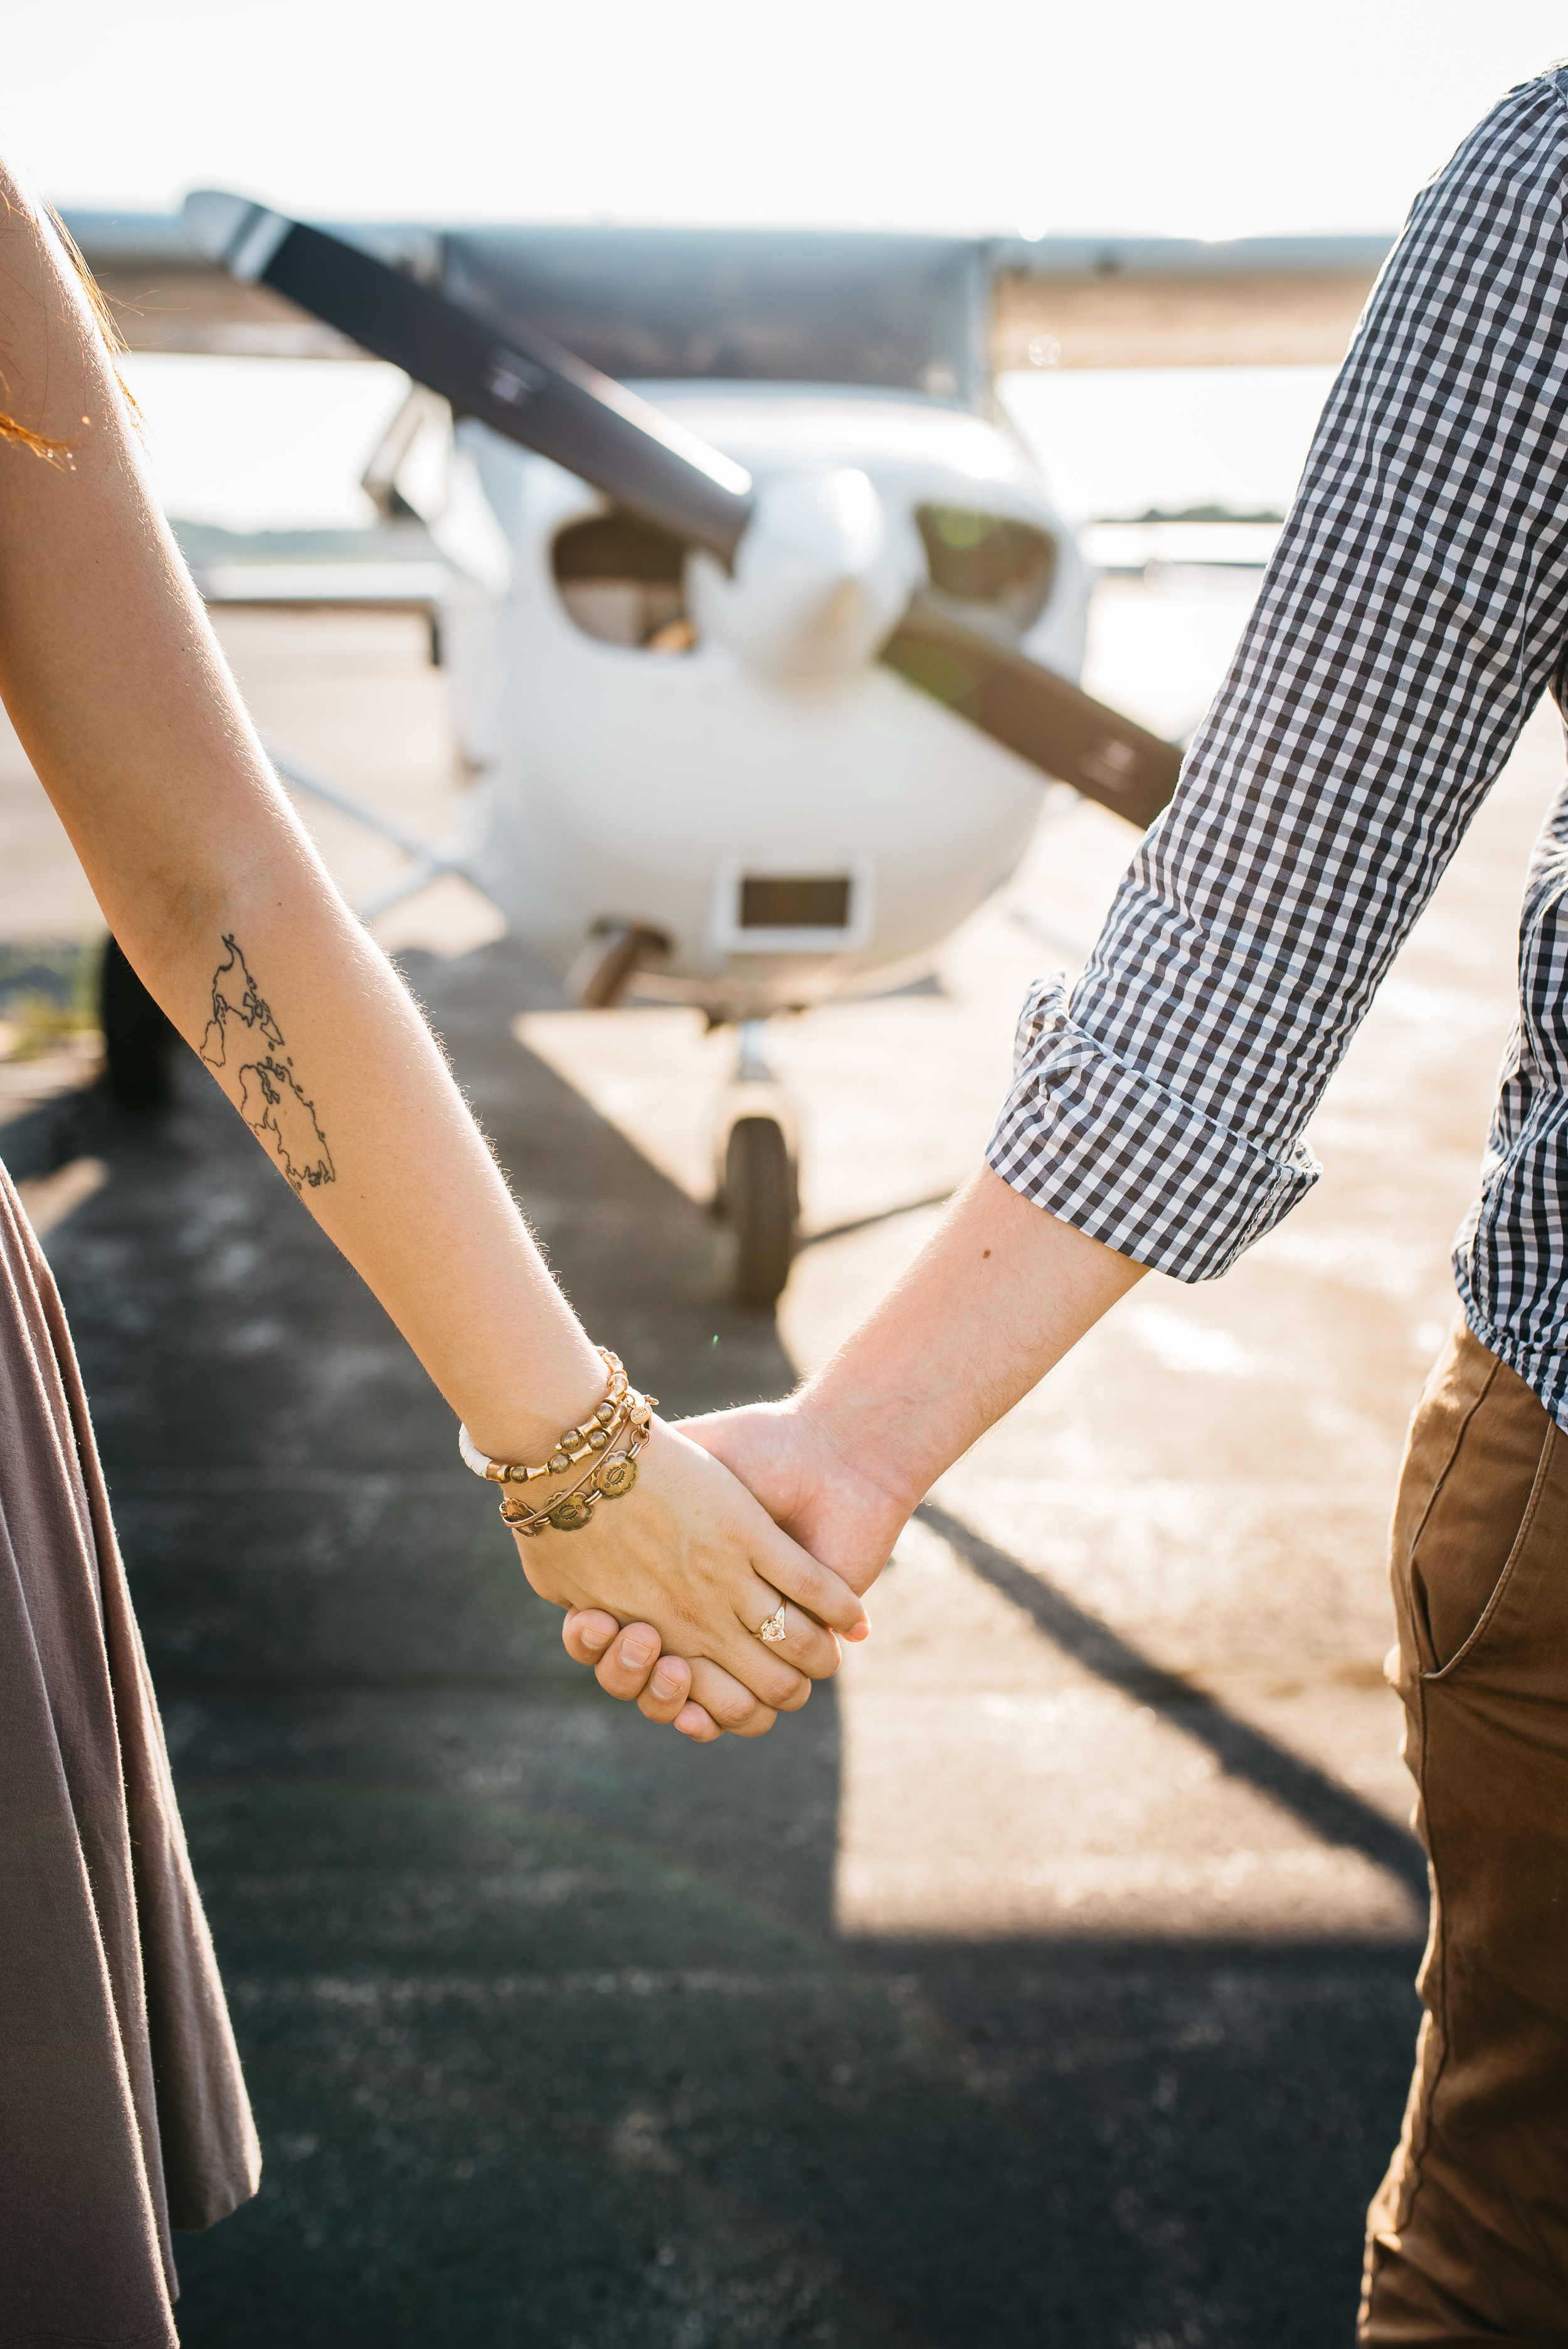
x=113 y=342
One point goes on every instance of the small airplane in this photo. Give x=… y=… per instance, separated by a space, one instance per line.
x=762 y=631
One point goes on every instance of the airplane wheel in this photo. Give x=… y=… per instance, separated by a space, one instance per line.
x=139 y=1039
x=760 y=1208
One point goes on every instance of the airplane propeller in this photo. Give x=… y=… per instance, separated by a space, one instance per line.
x=532 y=391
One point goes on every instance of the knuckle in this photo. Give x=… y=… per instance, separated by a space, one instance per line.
x=732 y=1704
x=782 y=1683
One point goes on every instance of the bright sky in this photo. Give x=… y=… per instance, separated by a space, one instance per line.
x=1218 y=117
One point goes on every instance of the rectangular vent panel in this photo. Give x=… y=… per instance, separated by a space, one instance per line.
x=785 y=902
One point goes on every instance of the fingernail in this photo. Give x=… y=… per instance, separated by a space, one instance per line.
x=595 y=1640
x=666 y=1683
x=635 y=1653
x=861 y=1631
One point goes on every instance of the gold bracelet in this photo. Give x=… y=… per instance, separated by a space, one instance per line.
x=595 y=1435
x=609 y=1479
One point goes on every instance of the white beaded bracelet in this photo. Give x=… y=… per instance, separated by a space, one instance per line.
x=576 y=1443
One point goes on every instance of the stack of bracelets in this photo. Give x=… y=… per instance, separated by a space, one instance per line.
x=623 y=1420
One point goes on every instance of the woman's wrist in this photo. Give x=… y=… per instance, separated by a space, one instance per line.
x=531 y=1424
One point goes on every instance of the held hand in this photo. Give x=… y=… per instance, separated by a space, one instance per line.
x=690 y=1554
x=627 y=1663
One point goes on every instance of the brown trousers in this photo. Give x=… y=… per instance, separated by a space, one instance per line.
x=1468 y=2235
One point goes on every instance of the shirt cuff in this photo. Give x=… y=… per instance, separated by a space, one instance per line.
x=1097 y=1145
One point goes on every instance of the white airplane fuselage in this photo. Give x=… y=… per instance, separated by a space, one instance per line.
x=666 y=789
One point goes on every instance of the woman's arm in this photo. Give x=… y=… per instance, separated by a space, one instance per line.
x=122 y=700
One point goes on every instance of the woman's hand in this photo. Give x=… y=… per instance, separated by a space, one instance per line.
x=693 y=1559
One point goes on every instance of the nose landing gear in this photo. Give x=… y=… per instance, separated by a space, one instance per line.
x=758 y=1198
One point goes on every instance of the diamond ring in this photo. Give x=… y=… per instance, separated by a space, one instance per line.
x=775 y=1629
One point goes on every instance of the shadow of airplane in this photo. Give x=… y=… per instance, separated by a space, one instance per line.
x=1334 y=1812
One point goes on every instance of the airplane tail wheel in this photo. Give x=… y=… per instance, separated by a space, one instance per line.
x=759 y=1207
x=140 y=1041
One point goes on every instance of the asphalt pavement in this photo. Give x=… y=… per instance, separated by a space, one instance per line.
x=1048 y=1981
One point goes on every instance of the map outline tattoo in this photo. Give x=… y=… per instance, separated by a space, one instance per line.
x=271 y=1100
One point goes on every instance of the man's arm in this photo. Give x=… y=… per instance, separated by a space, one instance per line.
x=1415 y=610
x=996 y=1297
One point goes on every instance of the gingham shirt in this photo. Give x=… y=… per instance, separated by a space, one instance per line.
x=1415 y=611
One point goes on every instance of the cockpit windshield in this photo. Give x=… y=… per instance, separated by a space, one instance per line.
x=774 y=305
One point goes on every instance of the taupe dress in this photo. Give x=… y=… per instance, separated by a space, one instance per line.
x=122 y=2110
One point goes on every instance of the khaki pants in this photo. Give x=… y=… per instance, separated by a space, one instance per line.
x=1468 y=2235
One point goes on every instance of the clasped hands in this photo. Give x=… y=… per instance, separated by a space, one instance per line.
x=665 y=1592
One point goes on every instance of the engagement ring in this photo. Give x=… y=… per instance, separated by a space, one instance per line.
x=775 y=1629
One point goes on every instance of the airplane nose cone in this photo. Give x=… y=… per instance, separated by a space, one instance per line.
x=822 y=577
x=829 y=523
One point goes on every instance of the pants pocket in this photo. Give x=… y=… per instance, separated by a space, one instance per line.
x=1478 y=1517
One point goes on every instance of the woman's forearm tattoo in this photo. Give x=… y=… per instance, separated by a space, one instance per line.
x=271 y=1102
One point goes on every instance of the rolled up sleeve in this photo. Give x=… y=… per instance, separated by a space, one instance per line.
x=1413 y=614
x=1105 y=1148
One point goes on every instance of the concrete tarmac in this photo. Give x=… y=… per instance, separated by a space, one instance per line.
x=1048 y=1979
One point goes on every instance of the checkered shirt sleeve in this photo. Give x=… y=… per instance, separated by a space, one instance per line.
x=1415 y=610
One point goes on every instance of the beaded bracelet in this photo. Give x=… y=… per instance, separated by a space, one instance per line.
x=623 y=1413
x=576 y=1442
x=609 y=1479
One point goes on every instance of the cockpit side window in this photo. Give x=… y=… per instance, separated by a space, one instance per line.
x=621 y=581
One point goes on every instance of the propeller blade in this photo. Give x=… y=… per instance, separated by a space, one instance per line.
x=1032 y=710
x=517 y=381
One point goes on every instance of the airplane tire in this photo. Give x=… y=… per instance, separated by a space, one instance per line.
x=140 y=1041
x=759 y=1207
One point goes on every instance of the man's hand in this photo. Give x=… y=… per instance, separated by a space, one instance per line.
x=842 y=1510
x=627 y=1663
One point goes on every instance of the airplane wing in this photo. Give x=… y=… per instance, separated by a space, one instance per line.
x=1161 y=301
x=1072 y=302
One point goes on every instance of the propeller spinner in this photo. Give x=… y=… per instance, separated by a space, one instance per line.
x=528 y=389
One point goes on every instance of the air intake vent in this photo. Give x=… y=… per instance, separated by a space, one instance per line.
x=783 y=901
x=987 y=559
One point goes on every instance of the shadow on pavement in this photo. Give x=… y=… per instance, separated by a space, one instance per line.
x=1333 y=1812
x=550 y=2038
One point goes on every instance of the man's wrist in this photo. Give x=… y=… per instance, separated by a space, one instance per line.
x=847 y=1437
